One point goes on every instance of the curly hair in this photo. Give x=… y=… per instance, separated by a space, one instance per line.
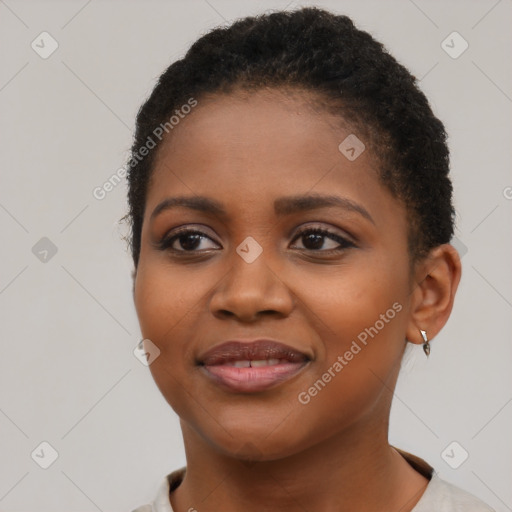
x=351 y=74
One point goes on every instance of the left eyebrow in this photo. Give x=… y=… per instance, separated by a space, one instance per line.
x=293 y=204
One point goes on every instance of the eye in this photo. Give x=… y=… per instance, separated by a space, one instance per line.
x=314 y=239
x=187 y=240
x=190 y=240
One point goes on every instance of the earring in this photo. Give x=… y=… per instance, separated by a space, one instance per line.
x=426 y=344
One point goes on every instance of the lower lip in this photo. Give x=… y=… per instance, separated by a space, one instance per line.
x=251 y=380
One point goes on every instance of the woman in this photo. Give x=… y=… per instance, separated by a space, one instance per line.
x=291 y=214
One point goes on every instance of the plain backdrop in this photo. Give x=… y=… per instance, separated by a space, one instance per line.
x=68 y=374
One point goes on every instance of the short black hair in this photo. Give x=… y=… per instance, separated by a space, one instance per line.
x=354 y=76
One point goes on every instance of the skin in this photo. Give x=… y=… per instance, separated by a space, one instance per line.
x=267 y=451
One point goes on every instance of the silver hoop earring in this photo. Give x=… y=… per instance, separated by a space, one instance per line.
x=426 y=344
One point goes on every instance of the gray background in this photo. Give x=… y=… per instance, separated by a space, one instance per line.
x=68 y=375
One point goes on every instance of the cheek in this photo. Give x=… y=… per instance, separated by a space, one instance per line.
x=159 y=311
x=164 y=298
x=361 y=319
x=347 y=302
x=168 y=305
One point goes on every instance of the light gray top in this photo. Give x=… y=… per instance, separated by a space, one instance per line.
x=439 y=496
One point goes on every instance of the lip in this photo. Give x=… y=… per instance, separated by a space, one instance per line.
x=230 y=364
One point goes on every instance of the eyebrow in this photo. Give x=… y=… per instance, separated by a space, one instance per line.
x=282 y=206
x=294 y=204
x=199 y=203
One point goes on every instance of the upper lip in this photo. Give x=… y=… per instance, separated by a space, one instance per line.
x=255 y=350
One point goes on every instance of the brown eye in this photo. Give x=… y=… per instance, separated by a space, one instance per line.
x=189 y=240
x=314 y=239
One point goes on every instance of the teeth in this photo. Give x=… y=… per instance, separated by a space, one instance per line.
x=267 y=362
x=255 y=364
x=241 y=364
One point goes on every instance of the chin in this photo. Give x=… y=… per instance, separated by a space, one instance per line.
x=253 y=443
x=263 y=452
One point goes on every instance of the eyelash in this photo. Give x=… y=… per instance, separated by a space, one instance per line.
x=165 y=244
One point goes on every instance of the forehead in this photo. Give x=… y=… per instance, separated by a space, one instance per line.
x=250 y=130
x=273 y=119
x=249 y=147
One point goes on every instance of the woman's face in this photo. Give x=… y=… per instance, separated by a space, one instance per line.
x=253 y=269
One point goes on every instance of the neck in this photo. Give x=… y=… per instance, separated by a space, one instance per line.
x=357 y=470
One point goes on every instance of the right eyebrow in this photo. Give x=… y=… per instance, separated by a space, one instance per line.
x=199 y=203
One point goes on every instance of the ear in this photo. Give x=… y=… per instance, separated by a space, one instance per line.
x=436 y=279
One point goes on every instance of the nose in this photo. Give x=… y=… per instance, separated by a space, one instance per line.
x=250 y=290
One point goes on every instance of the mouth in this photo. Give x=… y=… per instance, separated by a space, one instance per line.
x=249 y=367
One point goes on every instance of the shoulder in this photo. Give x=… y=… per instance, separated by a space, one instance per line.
x=442 y=496
x=161 y=503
